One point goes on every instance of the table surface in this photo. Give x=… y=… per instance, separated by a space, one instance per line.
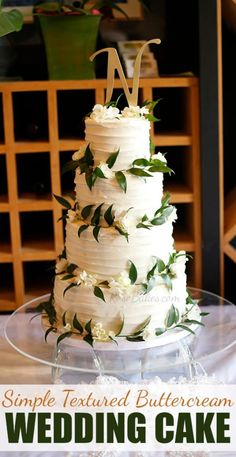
x=17 y=369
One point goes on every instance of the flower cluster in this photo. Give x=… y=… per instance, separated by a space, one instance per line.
x=101 y=113
x=87 y=280
x=100 y=334
x=126 y=222
x=122 y=285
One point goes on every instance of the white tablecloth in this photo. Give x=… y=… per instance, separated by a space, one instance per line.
x=17 y=369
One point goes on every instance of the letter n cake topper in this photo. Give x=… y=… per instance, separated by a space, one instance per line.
x=114 y=64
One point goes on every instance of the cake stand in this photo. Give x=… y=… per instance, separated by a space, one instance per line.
x=73 y=362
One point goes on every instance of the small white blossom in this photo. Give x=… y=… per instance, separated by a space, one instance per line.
x=101 y=113
x=122 y=285
x=106 y=170
x=87 y=279
x=126 y=222
x=61 y=266
x=71 y=215
x=159 y=156
x=67 y=327
x=134 y=111
x=99 y=333
x=178 y=266
x=79 y=154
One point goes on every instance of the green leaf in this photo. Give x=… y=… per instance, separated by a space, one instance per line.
x=141 y=162
x=99 y=173
x=49 y=330
x=125 y=234
x=165 y=200
x=184 y=327
x=171 y=317
x=108 y=216
x=62 y=201
x=167 y=280
x=71 y=268
x=159 y=331
x=97 y=214
x=89 y=339
x=158 y=220
x=141 y=225
x=67 y=276
x=64 y=318
x=88 y=156
x=86 y=211
x=193 y=321
x=151 y=272
x=96 y=231
x=160 y=265
x=88 y=326
x=142 y=326
x=133 y=273
x=63 y=336
x=121 y=179
x=77 y=325
x=121 y=327
x=162 y=168
x=151 y=118
x=82 y=229
x=139 y=172
x=204 y=314
x=72 y=284
x=99 y=293
x=134 y=339
x=70 y=166
x=88 y=178
x=10 y=21
x=112 y=159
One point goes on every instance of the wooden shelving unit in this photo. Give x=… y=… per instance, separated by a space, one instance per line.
x=30 y=236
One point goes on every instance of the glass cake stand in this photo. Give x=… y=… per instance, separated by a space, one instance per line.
x=73 y=362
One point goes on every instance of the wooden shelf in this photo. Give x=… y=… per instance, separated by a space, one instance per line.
x=56 y=139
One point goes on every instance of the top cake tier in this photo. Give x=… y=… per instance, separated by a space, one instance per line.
x=128 y=135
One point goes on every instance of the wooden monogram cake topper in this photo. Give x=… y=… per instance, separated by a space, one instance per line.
x=114 y=64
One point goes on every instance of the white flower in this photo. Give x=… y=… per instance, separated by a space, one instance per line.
x=173 y=216
x=106 y=170
x=122 y=285
x=99 y=333
x=79 y=154
x=134 y=111
x=71 y=215
x=101 y=113
x=159 y=156
x=61 y=265
x=87 y=280
x=126 y=222
x=193 y=312
x=67 y=327
x=178 y=266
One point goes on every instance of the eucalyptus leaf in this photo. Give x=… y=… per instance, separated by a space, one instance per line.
x=77 y=325
x=121 y=179
x=99 y=293
x=97 y=214
x=133 y=273
x=62 y=201
x=86 y=211
x=82 y=229
x=139 y=172
x=112 y=159
x=63 y=336
x=108 y=216
x=96 y=231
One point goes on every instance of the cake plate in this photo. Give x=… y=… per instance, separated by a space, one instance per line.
x=74 y=363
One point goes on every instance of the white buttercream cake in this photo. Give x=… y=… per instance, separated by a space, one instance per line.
x=119 y=275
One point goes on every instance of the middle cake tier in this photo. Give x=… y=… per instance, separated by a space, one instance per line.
x=109 y=256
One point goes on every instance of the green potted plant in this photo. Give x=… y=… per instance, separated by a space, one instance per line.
x=69 y=32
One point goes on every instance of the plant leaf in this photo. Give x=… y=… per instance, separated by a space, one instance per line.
x=141 y=162
x=139 y=172
x=97 y=214
x=87 y=327
x=63 y=336
x=121 y=179
x=159 y=331
x=162 y=168
x=133 y=273
x=49 y=330
x=10 y=21
x=108 y=216
x=72 y=284
x=71 y=268
x=160 y=265
x=151 y=272
x=77 y=325
x=171 y=317
x=88 y=156
x=141 y=225
x=121 y=327
x=88 y=178
x=70 y=166
x=99 y=173
x=64 y=319
x=193 y=321
x=86 y=211
x=142 y=326
x=89 y=339
x=125 y=234
x=96 y=231
x=112 y=159
x=184 y=327
x=82 y=229
x=99 y=293
x=62 y=201
x=67 y=276
x=167 y=280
